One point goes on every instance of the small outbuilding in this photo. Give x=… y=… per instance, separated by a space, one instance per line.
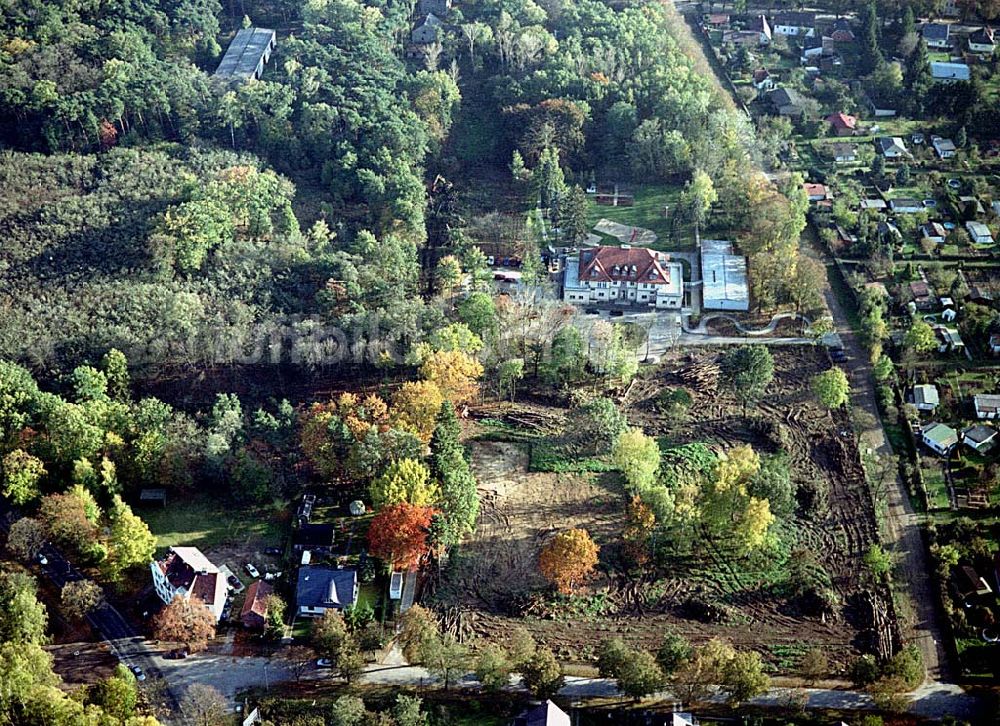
x=925 y=397
x=979 y=437
x=939 y=437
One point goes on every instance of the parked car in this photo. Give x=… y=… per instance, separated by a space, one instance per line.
x=324 y=663
x=271 y=576
x=272 y=550
x=137 y=672
x=251 y=570
x=235 y=584
x=617 y=313
x=178 y=654
x=592 y=311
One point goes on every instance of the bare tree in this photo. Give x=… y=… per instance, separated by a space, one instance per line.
x=204 y=705
x=432 y=55
x=26 y=538
x=81 y=597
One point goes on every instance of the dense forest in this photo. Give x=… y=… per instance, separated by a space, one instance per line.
x=152 y=209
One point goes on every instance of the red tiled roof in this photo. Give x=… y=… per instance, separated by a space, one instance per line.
x=842 y=121
x=760 y=74
x=256 y=600
x=920 y=289
x=717 y=19
x=631 y=264
x=815 y=190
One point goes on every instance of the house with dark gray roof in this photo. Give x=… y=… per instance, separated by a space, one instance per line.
x=324 y=588
x=786 y=101
x=936 y=35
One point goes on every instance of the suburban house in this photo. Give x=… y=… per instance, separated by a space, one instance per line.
x=625 y=274
x=186 y=572
x=246 y=56
x=841 y=32
x=925 y=397
x=945 y=148
x=987 y=405
x=845 y=238
x=876 y=204
x=879 y=108
x=979 y=437
x=745 y=38
x=786 y=102
x=843 y=124
x=891 y=147
x=933 y=231
x=980 y=295
x=982 y=42
x=428 y=31
x=717 y=21
x=323 y=588
x=254 y=612
x=970 y=583
x=979 y=233
x=760 y=27
x=435 y=7
x=816 y=192
x=313 y=537
x=724 y=277
x=816 y=47
x=939 y=437
x=949 y=72
x=971 y=207
x=887 y=231
x=921 y=293
x=546 y=714
x=936 y=35
x=795 y=24
x=949 y=341
x=844 y=153
x=762 y=80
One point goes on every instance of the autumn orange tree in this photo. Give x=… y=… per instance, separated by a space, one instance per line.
x=185 y=620
x=398 y=534
x=568 y=558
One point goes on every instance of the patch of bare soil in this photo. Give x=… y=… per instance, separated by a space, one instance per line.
x=82 y=663
x=497 y=570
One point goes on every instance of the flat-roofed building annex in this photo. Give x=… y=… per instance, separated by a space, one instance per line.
x=724 y=277
x=247 y=54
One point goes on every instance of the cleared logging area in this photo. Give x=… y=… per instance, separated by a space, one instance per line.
x=703 y=591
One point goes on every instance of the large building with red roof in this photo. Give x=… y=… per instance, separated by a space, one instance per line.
x=185 y=571
x=624 y=275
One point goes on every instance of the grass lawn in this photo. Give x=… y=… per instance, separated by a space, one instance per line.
x=937 y=491
x=647 y=212
x=204 y=522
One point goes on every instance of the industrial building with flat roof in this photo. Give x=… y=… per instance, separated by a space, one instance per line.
x=724 y=277
x=246 y=55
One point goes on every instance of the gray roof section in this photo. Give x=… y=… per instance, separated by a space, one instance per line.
x=323 y=587
x=245 y=53
x=935 y=31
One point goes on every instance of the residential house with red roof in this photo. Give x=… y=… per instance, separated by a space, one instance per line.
x=254 y=610
x=186 y=572
x=624 y=275
x=843 y=124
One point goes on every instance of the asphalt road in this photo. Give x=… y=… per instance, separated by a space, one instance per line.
x=128 y=645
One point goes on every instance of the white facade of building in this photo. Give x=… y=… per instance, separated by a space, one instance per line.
x=624 y=275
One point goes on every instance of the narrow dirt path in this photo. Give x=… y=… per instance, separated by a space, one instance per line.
x=903 y=535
